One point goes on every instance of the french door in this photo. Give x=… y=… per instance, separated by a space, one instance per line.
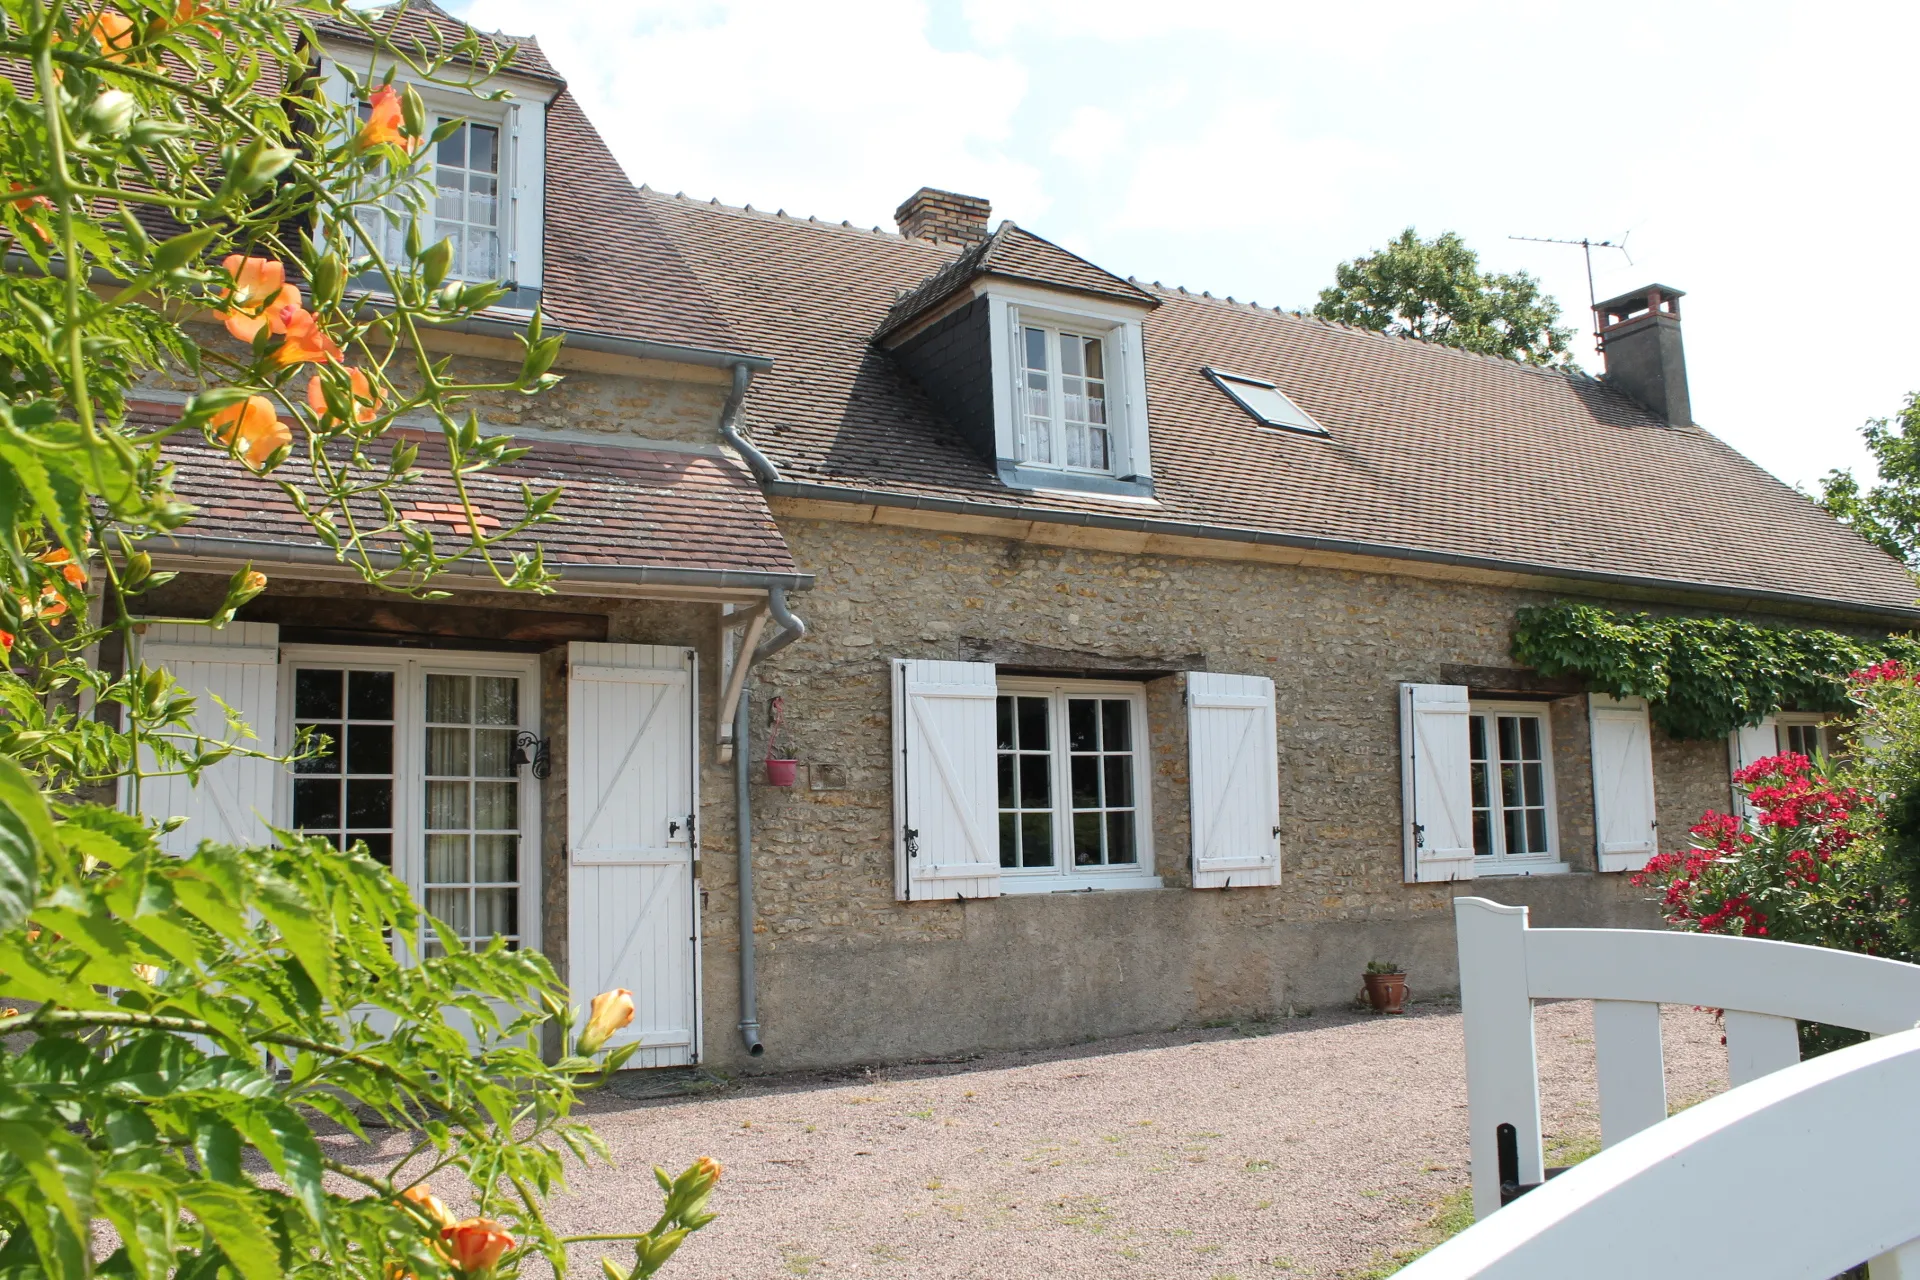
x=423 y=767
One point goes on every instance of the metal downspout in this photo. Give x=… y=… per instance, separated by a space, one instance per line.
x=761 y=465
x=749 y=992
x=791 y=629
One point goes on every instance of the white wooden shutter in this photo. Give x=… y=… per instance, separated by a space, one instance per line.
x=239 y=665
x=1623 y=811
x=1233 y=780
x=631 y=785
x=945 y=796
x=1436 y=783
x=1750 y=744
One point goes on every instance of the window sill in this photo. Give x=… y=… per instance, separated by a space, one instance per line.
x=1522 y=869
x=1018 y=885
x=1016 y=475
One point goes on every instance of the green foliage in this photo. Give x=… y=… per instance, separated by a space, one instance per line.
x=1886 y=514
x=1702 y=677
x=1435 y=290
x=187 y=1025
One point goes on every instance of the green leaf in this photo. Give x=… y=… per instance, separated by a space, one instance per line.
x=55 y=1164
x=233 y=1218
x=26 y=833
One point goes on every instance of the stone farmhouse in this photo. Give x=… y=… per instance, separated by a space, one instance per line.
x=1142 y=656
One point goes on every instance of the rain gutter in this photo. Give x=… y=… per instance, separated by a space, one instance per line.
x=260 y=551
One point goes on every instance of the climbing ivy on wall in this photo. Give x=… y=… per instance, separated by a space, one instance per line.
x=1701 y=677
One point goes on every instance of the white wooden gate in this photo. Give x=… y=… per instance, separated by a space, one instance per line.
x=632 y=840
x=1785 y=1175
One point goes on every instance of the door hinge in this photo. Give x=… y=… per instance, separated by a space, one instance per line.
x=693 y=826
x=913 y=841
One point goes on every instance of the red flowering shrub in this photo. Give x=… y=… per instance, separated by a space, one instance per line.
x=1797 y=870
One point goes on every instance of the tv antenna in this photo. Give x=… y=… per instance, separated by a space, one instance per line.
x=1587 y=246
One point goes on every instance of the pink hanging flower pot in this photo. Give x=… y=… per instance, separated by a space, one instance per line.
x=781 y=772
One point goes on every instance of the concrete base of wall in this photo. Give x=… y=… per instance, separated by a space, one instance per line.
x=1046 y=970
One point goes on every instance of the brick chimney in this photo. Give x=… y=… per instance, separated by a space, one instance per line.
x=944 y=217
x=1639 y=335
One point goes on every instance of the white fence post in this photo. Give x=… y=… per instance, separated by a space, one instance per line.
x=1502 y=1084
x=1632 y=1072
x=1759 y=1044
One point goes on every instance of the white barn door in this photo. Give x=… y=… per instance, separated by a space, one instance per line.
x=234 y=801
x=632 y=812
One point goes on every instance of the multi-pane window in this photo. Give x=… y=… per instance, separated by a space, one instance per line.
x=466 y=207
x=473 y=805
x=1070 y=777
x=1805 y=736
x=345 y=792
x=1508 y=751
x=420 y=764
x=1064 y=418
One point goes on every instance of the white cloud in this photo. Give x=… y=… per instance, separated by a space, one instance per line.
x=838 y=110
x=1242 y=169
x=1091 y=136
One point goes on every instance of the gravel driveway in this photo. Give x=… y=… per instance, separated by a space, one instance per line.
x=1314 y=1147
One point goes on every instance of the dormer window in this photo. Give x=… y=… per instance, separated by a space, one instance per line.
x=466 y=207
x=1064 y=377
x=1070 y=402
x=486 y=185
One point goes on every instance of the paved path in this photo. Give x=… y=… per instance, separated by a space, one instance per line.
x=1315 y=1148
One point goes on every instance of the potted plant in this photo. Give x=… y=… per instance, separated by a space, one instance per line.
x=1386 y=986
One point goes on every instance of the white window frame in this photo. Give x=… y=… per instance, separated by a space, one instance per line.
x=409 y=752
x=1063 y=876
x=1821 y=723
x=1011 y=308
x=1055 y=332
x=521 y=119
x=1499 y=862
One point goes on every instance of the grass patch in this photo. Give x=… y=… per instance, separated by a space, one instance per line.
x=1450 y=1217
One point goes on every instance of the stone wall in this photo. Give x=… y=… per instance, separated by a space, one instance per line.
x=850 y=975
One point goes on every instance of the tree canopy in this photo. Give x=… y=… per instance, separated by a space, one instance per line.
x=1886 y=514
x=1436 y=291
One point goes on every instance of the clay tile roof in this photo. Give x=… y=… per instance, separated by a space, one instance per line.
x=1432 y=453
x=609 y=268
x=424 y=25
x=1014 y=253
x=621 y=506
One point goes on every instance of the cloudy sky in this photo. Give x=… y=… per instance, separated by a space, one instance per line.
x=1760 y=156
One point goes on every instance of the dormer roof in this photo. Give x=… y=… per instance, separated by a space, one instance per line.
x=425 y=25
x=1012 y=253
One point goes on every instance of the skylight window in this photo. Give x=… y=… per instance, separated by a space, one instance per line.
x=1267 y=403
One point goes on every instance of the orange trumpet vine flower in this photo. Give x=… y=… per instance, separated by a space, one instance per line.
x=307 y=342
x=476 y=1244
x=366 y=401
x=260 y=297
x=254 y=427
x=113 y=31
x=385 y=122
x=423 y=1199
x=611 y=1011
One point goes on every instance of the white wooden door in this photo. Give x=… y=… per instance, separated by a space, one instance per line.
x=632 y=816
x=234 y=800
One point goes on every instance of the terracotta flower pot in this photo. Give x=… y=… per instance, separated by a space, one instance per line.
x=1386 y=991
